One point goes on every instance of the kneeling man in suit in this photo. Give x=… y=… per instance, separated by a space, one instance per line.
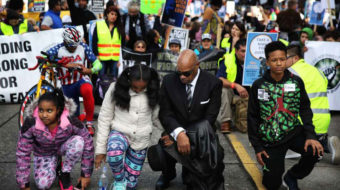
x=191 y=96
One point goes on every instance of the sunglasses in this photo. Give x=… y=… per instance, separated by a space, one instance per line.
x=140 y=47
x=186 y=74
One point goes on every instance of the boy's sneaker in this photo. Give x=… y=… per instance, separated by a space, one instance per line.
x=334 y=145
x=290 y=182
x=90 y=128
x=65 y=181
x=119 y=185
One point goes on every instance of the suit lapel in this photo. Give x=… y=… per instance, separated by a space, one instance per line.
x=181 y=95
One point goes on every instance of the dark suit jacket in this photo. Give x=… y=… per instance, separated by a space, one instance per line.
x=205 y=104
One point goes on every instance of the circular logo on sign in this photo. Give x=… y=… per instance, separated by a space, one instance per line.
x=257 y=45
x=331 y=69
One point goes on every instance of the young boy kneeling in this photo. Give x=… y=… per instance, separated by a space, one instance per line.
x=275 y=103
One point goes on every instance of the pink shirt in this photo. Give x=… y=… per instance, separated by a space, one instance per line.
x=54 y=131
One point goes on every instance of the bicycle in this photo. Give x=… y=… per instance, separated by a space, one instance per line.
x=49 y=67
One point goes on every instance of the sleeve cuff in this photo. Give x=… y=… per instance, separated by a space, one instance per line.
x=177 y=131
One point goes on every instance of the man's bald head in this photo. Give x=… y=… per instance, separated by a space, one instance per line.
x=187 y=63
x=187 y=58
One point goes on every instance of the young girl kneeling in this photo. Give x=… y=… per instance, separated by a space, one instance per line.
x=50 y=132
x=125 y=124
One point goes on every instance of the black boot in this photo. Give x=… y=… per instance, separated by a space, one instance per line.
x=163 y=182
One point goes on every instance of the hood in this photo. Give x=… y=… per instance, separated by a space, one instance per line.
x=69 y=109
x=286 y=76
x=309 y=31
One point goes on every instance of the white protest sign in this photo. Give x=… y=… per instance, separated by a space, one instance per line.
x=17 y=53
x=182 y=35
x=231 y=8
x=324 y=57
x=123 y=5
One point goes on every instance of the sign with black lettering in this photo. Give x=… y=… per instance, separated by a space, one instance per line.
x=130 y=58
x=209 y=60
x=97 y=6
x=165 y=63
x=17 y=53
x=182 y=35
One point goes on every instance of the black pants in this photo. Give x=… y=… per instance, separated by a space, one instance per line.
x=275 y=164
x=193 y=181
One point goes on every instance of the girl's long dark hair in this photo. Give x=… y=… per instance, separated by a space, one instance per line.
x=137 y=72
x=57 y=97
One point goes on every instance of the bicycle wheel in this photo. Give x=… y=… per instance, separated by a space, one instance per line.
x=30 y=96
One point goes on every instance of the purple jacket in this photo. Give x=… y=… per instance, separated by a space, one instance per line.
x=35 y=137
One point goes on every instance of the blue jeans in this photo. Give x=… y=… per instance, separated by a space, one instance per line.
x=109 y=67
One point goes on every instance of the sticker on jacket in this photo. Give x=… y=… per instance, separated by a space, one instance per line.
x=262 y=94
x=289 y=87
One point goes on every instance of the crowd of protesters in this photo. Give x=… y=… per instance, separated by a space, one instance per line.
x=138 y=91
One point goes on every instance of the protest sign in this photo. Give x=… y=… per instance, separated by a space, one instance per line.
x=182 y=35
x=129 y=58
x=150 y=6
x=324 y=57
x=230 y=8
x=36 y=5
x=165 y=62
x=209 y=61
x=97 y=6
x=195 y=8
x=317 y=14
x=17 y=53
x=173 y=12
x=255 y=59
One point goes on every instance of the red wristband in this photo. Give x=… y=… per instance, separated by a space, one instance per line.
x=232 y=85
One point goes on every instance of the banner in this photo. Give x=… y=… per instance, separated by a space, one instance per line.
x=36 y=5
x=255 y=59
x=165 y=63
x=173 y=12
x=209 y=61
x=17 y=53
x=182 y=35
x=317 y=14
x=324 y=57
x=150 y=6
x=130 y=58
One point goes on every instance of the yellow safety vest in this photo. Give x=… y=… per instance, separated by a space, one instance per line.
x=108 y=48
x=316 y=88
x=230 y=64
x=8 y=29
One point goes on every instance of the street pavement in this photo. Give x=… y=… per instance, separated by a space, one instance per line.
x=325 y=176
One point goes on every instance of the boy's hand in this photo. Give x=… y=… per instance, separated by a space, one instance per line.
x=315 y=145
x=85 y=181
x=259 y=157
x=98 y=160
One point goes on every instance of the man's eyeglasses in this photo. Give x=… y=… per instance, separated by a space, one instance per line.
x=186 y=73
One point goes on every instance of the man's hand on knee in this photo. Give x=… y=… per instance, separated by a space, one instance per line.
x=167 y=140
x=259 y=157
x=183 y=143
x=316 y=146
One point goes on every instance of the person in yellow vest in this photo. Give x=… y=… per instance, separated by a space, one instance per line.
x=230 y=72
x=316 y=87
x=107 y=39
x=238 y=31
x=14 y=24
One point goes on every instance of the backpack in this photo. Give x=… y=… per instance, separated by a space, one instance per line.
x=102 y=85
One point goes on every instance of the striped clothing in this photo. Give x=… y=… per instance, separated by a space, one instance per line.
x=82 y=53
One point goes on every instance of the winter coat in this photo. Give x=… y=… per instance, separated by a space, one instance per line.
x=135 y=123
x=35 y=137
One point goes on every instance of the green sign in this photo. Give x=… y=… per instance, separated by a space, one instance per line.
x=150 y=6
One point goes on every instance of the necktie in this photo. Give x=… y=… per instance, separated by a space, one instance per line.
x=189 y=95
